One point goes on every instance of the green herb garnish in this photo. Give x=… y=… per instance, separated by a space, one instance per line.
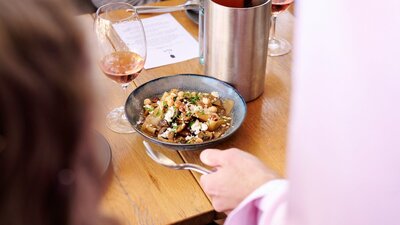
x=148 y=108
x=194 y=99
x=176 y=114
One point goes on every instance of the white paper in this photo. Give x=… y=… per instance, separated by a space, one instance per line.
x=167 y=41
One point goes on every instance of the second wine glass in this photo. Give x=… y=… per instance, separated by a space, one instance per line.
x=122 y=52
x=278 y=46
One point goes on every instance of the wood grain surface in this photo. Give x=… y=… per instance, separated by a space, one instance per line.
x=142 y=192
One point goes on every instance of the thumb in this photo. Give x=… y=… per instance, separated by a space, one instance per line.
x=211 y=157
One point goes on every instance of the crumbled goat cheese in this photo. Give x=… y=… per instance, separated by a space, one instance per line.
x=204 y=127
x=187 y=138
x=198 y=126
x=205 y=101
x=170 y=113
x=166 y=133
x=215 y=94
x=194 y=108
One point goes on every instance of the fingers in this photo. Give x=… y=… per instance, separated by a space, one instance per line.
x=209 y=183
x=212 y=157
x=216 y=157
x=227 y=212
x=219 y=202
x=238 y=174
x=221 y=205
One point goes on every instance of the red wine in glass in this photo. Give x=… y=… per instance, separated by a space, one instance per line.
x=280 y=5
x=122 y=66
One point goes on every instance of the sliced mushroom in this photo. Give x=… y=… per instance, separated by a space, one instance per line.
x=228 y=106
x=205 y=135
x=148 y=128
x=213 y=125
x=217 y=102
x=180 y=127
x=202 y=116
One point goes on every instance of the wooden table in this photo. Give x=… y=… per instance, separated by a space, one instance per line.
x=142 y=192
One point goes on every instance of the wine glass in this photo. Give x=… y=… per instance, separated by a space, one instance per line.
x=122 y=52
x=278 y=46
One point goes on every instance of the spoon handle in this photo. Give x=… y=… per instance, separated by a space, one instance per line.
x=197 y=168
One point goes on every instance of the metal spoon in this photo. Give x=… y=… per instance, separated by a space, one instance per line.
x=188 y=5
x=167 y=162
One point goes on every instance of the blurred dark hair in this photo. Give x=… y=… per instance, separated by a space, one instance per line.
x=47 y=172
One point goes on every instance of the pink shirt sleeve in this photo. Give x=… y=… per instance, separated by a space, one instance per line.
x=265 y=206
x=344 y=148
x=344 y=139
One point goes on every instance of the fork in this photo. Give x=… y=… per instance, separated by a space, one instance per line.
x=188 y=5
x=167 y=162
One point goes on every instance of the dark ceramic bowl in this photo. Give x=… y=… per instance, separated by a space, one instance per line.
x=191 y=82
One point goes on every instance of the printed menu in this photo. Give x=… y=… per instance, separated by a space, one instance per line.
x=167 y=41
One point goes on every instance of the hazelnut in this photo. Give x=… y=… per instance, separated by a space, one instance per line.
x=147 y=101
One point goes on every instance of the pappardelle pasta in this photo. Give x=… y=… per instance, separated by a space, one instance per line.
x=186 y=117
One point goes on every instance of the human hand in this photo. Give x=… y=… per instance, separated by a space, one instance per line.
x=237 y=174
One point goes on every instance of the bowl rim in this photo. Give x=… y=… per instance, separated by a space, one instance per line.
x=175 y=146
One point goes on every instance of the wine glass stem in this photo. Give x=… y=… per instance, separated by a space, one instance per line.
x=273 y=26
x=125 y=89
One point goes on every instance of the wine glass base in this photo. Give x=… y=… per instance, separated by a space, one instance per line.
x=117 y=122
x=278 y=46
